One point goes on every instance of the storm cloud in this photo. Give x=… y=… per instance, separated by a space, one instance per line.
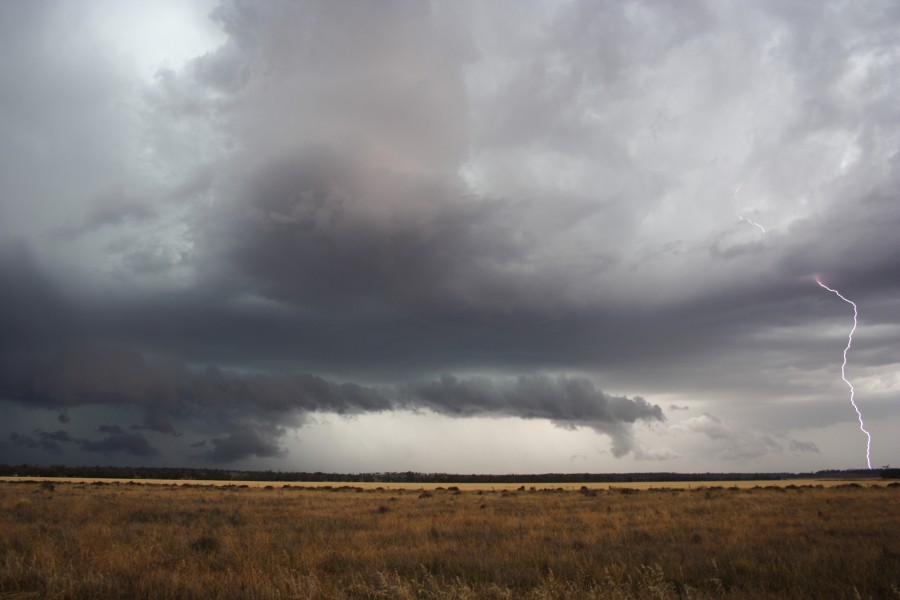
x=469 y=211
x=115 y=442
x=254 y=408
x=567 y=402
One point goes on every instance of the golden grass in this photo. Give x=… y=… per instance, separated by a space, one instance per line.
x=80 y=541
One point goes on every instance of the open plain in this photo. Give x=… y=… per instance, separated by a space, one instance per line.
x=495 y=487
x=83 y=540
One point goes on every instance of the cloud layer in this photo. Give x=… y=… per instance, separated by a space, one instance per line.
x=475 y=210
x=252 y=410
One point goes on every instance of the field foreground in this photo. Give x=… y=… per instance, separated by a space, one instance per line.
x=100 y=540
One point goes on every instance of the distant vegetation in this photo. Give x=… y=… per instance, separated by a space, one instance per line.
x=413 y=477
x=115 y=541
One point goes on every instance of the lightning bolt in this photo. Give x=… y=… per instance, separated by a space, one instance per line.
x=742 y=217
x=862 y=425
x=751 y=222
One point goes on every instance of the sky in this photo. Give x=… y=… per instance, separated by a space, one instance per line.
x=466 y=237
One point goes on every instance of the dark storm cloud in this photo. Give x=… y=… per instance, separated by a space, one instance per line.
x=49 y=441
x=241 y=444
x=25 y=441
x=32 y=307
x=56 y=436
x=566 y=401
x=132 y=444
x=302 y=233
x=118 y=376
x=156 y=419
x=115 y=442
x=252 y=407
x=849 y=243
x=321 y=227
x=370 y=339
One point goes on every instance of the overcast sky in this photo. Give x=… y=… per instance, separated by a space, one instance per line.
x=450 y=236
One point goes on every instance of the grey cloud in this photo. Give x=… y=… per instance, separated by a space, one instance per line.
x=91 y=374
x=801 y=446
x=255 y=407
x=152 y=261
x=732 y=443
x=32 y=307
x=224 y=69
x=113 y=375
x=66 y=130
x=252 y=406
x=242 y=444
x=44 y=440
x=26 y=441
x=861 y=250
x=566 y=401
x=434 y=335
x=115 y=208
x=128 y=443
x=57 y=436
x=281 y=393
x=319 y=230
x=373 y=234
x=179 y=99
x=156 y=419
x=655 y=455
x=401 y=91
x=116 y=441
x=197 y=182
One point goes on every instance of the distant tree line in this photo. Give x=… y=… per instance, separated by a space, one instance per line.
x=415 y=477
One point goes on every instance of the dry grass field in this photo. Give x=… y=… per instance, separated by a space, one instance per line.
x=496 y=487
x=101 y=540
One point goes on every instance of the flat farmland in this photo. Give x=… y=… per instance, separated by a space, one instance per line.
x=95 y=539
